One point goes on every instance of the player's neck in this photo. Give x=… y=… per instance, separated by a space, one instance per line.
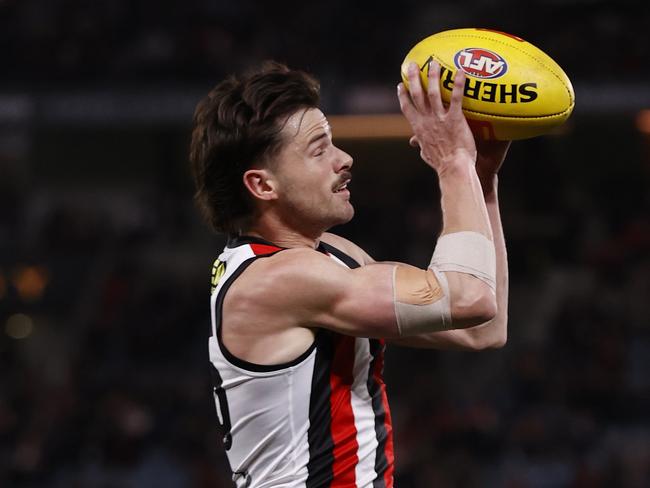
x=281 y=235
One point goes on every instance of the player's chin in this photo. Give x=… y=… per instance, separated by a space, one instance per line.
x=347 y=213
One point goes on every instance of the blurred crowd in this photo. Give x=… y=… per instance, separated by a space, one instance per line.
x=57 y=41
x=104 y=265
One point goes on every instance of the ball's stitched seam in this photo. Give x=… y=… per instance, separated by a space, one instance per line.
x=529 y=117
x=507 y=117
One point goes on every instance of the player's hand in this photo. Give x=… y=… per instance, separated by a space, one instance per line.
x=443 y=135
x=490 y=156
x=489 y=159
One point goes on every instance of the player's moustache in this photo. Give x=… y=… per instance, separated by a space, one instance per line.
x=344 y=178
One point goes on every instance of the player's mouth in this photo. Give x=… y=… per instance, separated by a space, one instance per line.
x=342 y=186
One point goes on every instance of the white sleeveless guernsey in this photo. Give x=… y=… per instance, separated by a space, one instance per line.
x=319 y=421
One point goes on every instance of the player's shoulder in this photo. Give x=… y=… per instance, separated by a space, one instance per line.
x=290 y=267
x=348 y=247
x=295 y=257
x=287 y=277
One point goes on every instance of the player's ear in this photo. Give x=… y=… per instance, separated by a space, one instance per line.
x=261 y=183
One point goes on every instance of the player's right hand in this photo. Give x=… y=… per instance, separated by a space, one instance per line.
x=442 y=133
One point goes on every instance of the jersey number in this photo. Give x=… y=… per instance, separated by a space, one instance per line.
x=224 y=416
x=223 y=412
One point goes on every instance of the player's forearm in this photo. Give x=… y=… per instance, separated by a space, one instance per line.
x=494 y=333
x=462 y=202
x=490 y=334
x=467 y=251
x=463 y=263
x=492 y=203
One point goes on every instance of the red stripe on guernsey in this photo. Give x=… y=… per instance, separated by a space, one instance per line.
x=388 y=425
x=261 y=249
x=344 y=433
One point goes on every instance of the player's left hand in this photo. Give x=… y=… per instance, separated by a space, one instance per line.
x=490 y=157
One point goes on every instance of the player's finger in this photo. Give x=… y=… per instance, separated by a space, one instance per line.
x=415 y=87
x=433 y=89
x=456 y=103
x=405 y=102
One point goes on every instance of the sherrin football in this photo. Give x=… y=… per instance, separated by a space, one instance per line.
x=513 y=90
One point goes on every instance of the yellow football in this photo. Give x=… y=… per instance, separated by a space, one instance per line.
x=513 y=89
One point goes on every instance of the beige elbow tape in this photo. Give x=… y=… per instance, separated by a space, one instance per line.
x=421 y=300
x=467 y=252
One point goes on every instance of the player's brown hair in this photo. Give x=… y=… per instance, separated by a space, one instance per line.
x=236 y=126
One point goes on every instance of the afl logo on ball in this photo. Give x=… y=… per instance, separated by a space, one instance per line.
x=480 y=63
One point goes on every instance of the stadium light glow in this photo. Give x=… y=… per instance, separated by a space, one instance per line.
x=643 y=121
x=19 y=326
x=30 y=282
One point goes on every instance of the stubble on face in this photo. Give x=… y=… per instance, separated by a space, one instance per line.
x=307 y=179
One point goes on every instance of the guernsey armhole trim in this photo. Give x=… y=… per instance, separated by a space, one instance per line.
x=262 y=368
x=231 y=358
x=247 y=365
x=349 y=261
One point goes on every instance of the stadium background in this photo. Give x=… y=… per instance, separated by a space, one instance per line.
x=104 y=264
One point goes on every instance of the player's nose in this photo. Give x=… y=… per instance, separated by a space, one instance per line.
x=344 y=160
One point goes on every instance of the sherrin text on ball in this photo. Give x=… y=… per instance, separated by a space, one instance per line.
x=513 y=90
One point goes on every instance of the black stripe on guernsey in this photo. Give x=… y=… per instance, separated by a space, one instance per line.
x=217 y=383
x=381 y=463
x=219 y=318
x=350 y=262
x=319 y=436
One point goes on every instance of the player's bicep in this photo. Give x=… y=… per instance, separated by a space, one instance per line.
x=309 y=289
x=355 y=302
x=378 y=300
x=390 y=301
x=363 y=303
